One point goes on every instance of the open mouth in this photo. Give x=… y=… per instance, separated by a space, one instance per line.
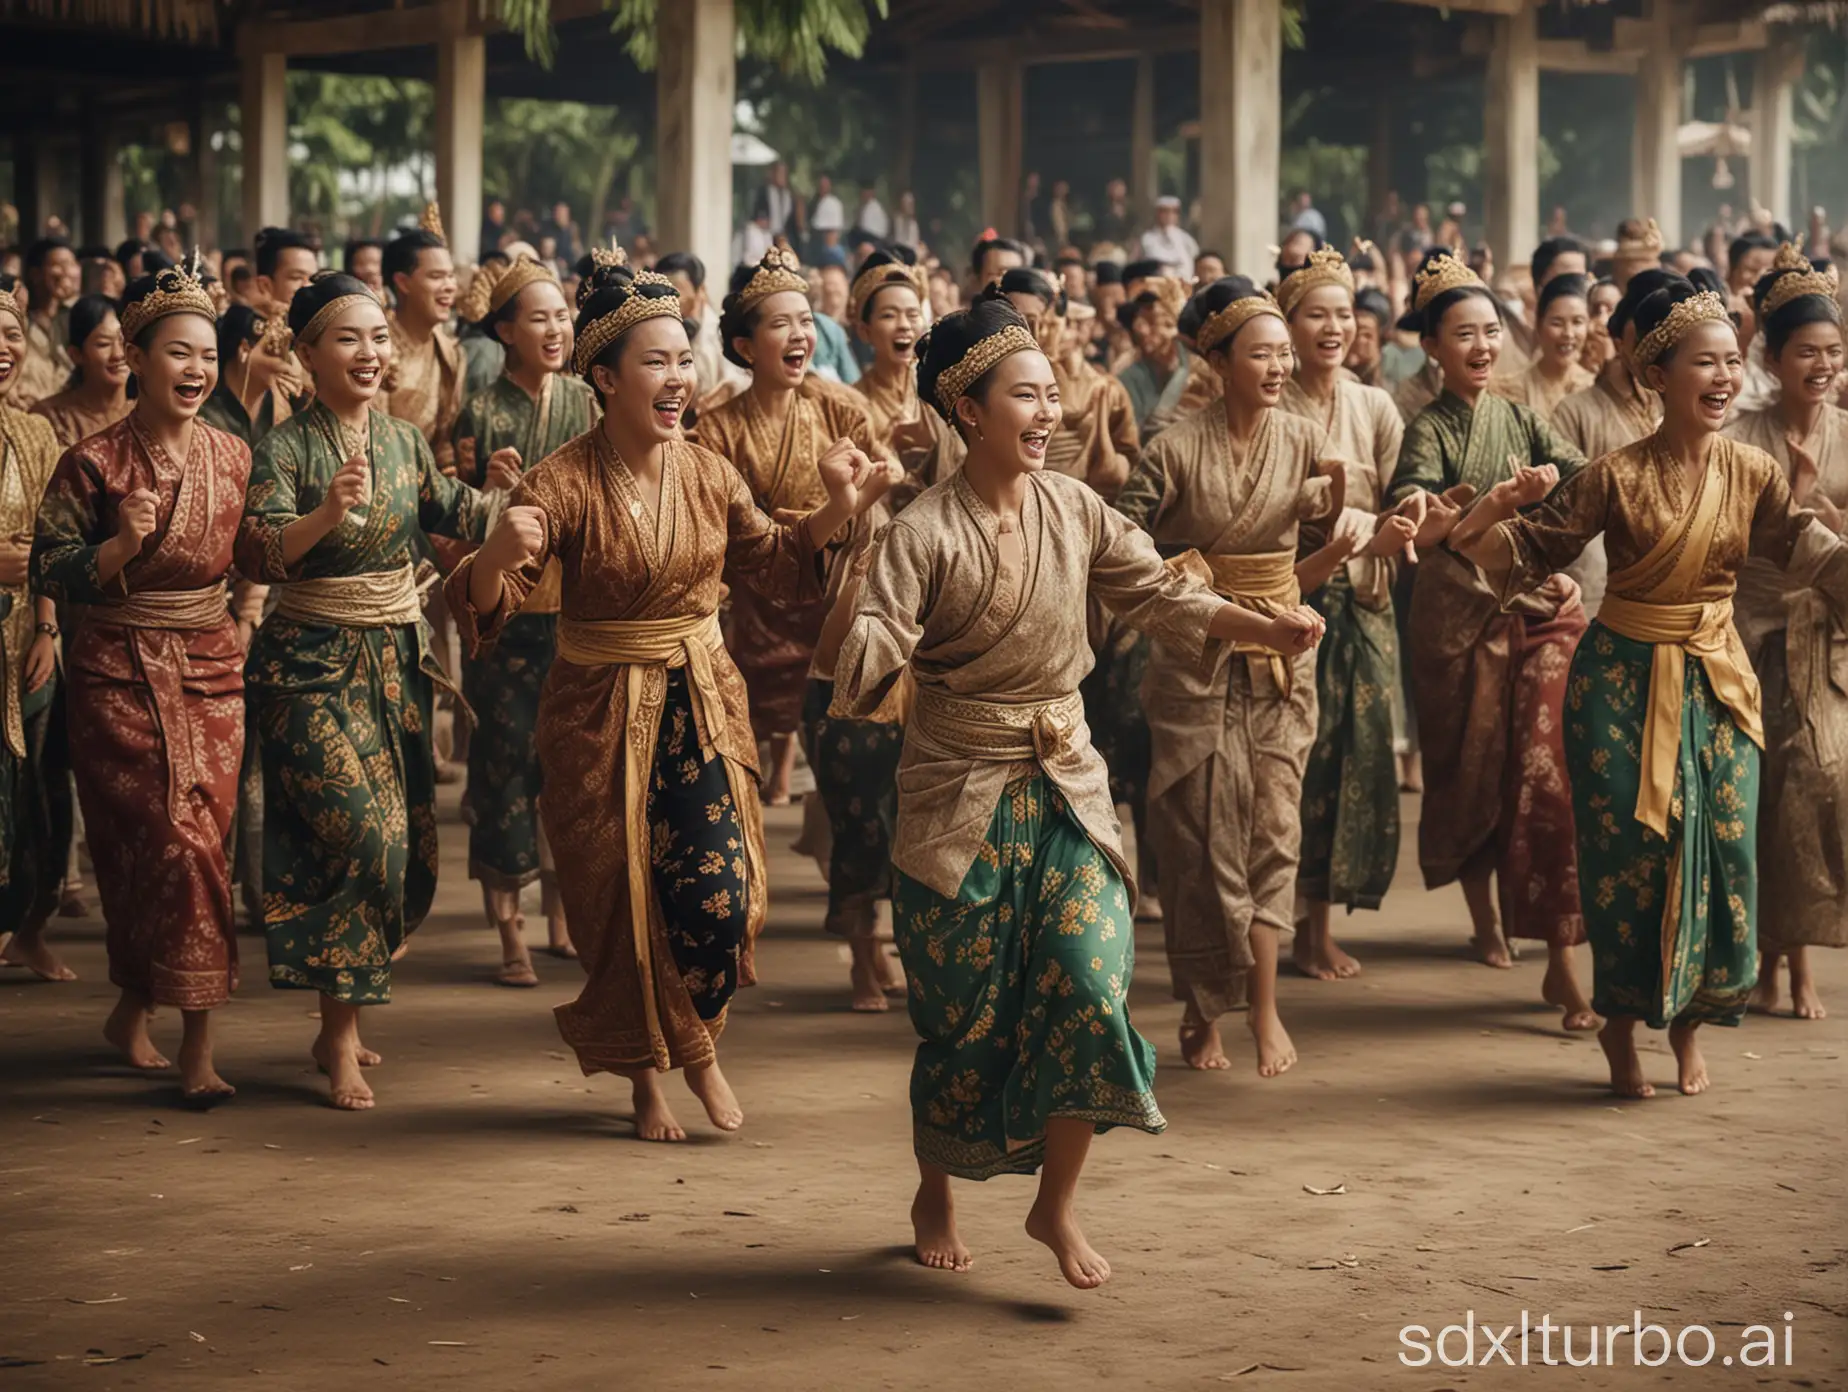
x=365 y=378
x=901 y=347
x=1715 y=403
x=1034 y=442
x=1480 y=366
x=795 y=361
x=1328 y=347
x=667 y=409
x=552 y=349
x=1820 y=382
x=190 y=393
x=7 y=363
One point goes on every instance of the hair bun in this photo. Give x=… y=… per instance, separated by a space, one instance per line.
x=609 y=270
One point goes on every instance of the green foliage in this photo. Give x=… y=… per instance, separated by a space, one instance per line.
x=536 y=152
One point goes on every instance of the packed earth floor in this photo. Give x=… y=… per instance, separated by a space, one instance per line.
x=1442 y=1148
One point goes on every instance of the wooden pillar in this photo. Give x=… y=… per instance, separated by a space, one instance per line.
x=1142 y=183
x=461 y=101
x=1656 y=155
x=1241 y=137
x=1379 y=160
x=999 y=106
x=101 y=214
x=695 y=85
x=1511 y=137
x=35 y=183
x=263 y=107
x=205 y=119
x=1774 y=77
x=904 y=168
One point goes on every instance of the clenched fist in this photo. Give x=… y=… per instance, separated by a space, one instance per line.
x=136 y=517
x=1295 y=631
x=351 y=487
x=517 y=538
x=504 y=468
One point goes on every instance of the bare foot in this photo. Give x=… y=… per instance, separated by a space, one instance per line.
x=32 y=953
x=1765 y=994
x=72 y=904
x=1318 y=955
x=715 y=1094
x=367 y=1059
x=1491 y=949
x=1619 y=1041
x=127 y=1029
x=869 y=991
x=347 y=1087
x=1078 y=1260
x=1690 y=1066
x=1560 y=987
x=1202 y=1048
x=518 y=971
x=1276 y=1054
x=1805 y=1002
x=653 y=1119
x=891 y=972
x=1411 y=773
x=933 y=1224
x=200 y=1084
x=401 y=951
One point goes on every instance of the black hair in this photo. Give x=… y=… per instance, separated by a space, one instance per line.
x=1747 y=242
x=1426 y=322
x=897 y=273
x=404 y=250
x=270 y=244
x=128 y=249
x=1550 y=251
x=154 y=259
x=1025 y=280
x=1812 y=308
x=950 y=340
x=735 y=321
x=87 y=315
x=604 y=291
x=1144 y=269
x=1642 y=285
x=230 y=254
x=353 y=248
x=1127 y=311
x=38 y=252
x=1071 y=258
x=1315 y=239
x=1374 y=302
x=320 y=292
x=1708 y=279
x=237 y=326
x=1657 y=305
x=1109 y=272
x=1562 y=287
x=95 y=253
x=683 y=263
x=1209 y=300
x=1220 y=257
x=988 y=244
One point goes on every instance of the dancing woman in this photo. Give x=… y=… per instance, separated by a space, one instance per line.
x=1664 y=726
x=135 y=538
x=1795 y=642
x=532 y=409
x=341 y=674
x=643 y=733
x=1013 y=906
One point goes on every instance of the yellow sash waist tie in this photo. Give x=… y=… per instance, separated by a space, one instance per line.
x=641 y=644
x=1677 y=630
x=1264 y=582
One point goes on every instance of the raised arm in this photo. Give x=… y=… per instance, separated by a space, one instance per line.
x=445 y=505
x=1520 y=552
x=488 y=587
x=1799 y=542
x=75 y=558
x=888 y=622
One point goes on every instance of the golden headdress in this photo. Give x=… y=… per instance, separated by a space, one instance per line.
x=273 y=336
x=1799 y=278
x=177 y=290
x=332 y=307
x=1644 y=245
x=1219 y=326
x=1324 y=267
x=13 y=302
x=779 y=270
x=497 y=282
x=1441 y=274
x=1704 y=308
x=432 y=222
x=876 y=276
x=636 y=307
x=983 y=354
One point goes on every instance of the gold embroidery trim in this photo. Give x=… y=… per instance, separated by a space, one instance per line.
x=1704 y=308
x=637 y=309
x=1441 y=274
x=1221 y=325
x=1324 y=267
x=1803 y=279
x=954 y=381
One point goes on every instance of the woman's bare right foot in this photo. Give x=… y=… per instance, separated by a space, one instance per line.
x=199 y=1080
x=1805 y=1003
x=716 y=1096
x=1765 y=995
x=1202 y=1048
x=1690 y=1067
x=1319 y=956
x=1491 y=948
x=32 y=953
x=1276 y=1054
x=1618 y=1039
x=347 y=1086
x=1560 y=987
x=933 y=1226
x=1081 y=1263
x=127 y=1029
x=869 y=987
x=654 y=1120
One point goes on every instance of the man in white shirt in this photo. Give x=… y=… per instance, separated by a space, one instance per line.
x=752 y=240
x=873 y=216
x=828 y=215
x=1168 y=242
x=777 y=201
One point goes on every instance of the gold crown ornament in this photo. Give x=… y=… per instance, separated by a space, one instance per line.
x=495 y=285
x=1799 y=278
x=177 y=290
x=873 y=279
x=13 y=302
x=1441 y=274
x=1323 y=268
x=432 y=222
x=1688 y=314
x=983 y=354
x=1219 y=326
x=1646 y=245
x=636 y=308
x=780 y=270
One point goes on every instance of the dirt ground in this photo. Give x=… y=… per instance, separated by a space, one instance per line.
x=495 y=1224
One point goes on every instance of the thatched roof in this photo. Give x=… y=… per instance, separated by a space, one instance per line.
x=190 y=21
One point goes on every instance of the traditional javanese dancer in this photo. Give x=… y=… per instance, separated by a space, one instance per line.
x=1794 y=641
x=886 y=302
x=644 y=736
x=135 y=539
x=1231 y=737
x=1013 y=906
x=533 y=408
x=1350 y=809
x=1664 y=727
x=775 y=432
x=341 y=674
x=1488 y=682
x=35 y=779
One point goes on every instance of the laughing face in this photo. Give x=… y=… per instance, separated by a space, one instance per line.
x=349 y=359
x=1019 y=409
x=892 y=325
x=651 y=383
x=1467 y=344
x=537 y=330
x=782 y=341
x=1322 y=327
x=12 y=350
x=104 y=356
x=1562 y=329
x=175 y=366
x=1702 y=376
x=1256 y=362
x=1808 y=366
x=429 y=292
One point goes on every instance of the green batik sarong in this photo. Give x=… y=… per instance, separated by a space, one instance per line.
x=1626 y=870
x=1350 y=844
x=1019 y=988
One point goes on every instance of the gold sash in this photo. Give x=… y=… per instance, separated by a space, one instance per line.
x=1642 y=605
x=376 y=599
x=994 y=731
x=174 y=609
x=1264 y=582
x=683 y=641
